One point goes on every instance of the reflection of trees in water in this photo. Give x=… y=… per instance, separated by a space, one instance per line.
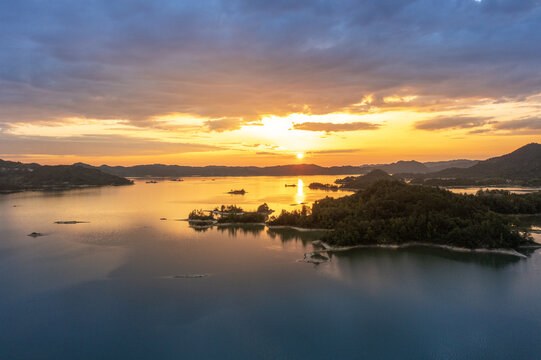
x=243 y=229
x=496 y=261
x=200 y=228
x=282 y=234
x=287 y=234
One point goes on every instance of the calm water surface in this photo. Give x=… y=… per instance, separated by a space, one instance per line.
x=106 y=289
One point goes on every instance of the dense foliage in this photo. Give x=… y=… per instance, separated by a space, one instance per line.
x=505 y=202
x=264 y=209
x=229 y=209
x=19 y=176
x=247 y=217
x=320 y=186
x=363 y=181
x=233 y=214
x=458 y=182
x=199 y=214
x=391 y=212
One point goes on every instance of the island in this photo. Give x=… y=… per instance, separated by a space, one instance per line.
x=237 y=192
x=320 y=186
x=393 y=213
x=229 y=214
x=17 y=176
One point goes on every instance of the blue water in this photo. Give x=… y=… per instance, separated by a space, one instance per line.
x=106 y=289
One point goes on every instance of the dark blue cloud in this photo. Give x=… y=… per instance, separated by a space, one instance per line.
x=243 y=58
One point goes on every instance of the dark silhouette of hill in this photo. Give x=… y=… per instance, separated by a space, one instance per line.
x=160 y=170
x=15 y=176
x=434 y=166
x=402 y=166
x=523 y=163
x=361 y=182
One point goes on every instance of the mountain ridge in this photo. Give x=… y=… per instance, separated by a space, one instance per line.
x=522 y=163
x=161 y=170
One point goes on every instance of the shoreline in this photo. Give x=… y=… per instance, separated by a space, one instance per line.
x=510 y=252
x=57 y=188
x=300 y=229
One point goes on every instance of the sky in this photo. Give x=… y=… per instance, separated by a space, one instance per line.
x=254 y=82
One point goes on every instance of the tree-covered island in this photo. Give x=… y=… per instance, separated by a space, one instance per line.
x=230 y=214
x=394 y=213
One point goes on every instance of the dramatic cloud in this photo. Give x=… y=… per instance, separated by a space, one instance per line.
x=521 y=124
x=246 y=58
x=454 y=122
x=333 y=127
x=223 y=124
x=94 y=146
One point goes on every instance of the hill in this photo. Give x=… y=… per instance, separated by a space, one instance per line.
x=16 y=176
x=160 y=170
x=394 y=213
x=402 y=166
x=361 y=182
x=521 y=166
x=434 y=166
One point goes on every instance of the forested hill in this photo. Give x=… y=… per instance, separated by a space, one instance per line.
x=391 y=212
x=16 y=176
x=523 y=163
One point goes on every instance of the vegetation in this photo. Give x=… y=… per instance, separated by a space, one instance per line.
x=247 y=217
x=505 y=202
x=229 y=209
x=300 y=218
x=522 y=167
x=200 y=214
x=361 y=182
x=489 y=181
x=264 y=209
x=391 y=212
x=233 y=214
x=320 y=186
x=16 y=176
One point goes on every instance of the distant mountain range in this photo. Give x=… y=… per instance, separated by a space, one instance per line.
x=159 y=170
x=523 y=163
x=522 y=166
x=16 y=176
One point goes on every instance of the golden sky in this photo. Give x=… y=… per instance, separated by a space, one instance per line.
x=378 y=136
x=259 y=82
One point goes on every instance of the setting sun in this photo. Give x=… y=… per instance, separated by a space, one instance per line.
x=300 y=156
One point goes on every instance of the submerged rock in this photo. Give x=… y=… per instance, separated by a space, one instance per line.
x=189 y=276
x=35 y=234
x=71 y=222
x=315 y=258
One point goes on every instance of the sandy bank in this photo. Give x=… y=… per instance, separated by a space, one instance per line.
x=328 y=248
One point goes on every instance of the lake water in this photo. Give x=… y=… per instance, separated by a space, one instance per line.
x=115 y=287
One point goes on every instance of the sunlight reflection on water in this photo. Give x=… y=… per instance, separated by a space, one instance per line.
x=124 y=281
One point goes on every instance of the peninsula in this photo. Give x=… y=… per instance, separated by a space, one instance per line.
x=16 y=176
x=395 y=213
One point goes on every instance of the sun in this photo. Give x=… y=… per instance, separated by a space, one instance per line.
x=300 y=155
